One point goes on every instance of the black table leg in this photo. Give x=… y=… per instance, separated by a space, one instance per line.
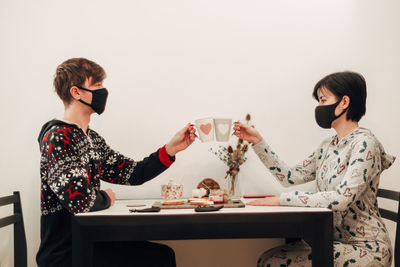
x=322 y=242
x=82 y=247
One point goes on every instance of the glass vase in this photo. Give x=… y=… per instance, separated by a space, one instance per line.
x=234 y=188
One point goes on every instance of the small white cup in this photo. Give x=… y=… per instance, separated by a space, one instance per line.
x=222 y=129
x=199 y=192
x=205 y=128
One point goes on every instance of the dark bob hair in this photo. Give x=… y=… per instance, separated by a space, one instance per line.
x=347 y=83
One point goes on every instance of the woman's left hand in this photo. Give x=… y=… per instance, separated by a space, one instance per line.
x=181 y=140
x=267 y=201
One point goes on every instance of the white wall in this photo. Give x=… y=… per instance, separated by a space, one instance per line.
x=171 y=62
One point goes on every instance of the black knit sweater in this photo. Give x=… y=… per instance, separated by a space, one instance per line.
x=71 y=165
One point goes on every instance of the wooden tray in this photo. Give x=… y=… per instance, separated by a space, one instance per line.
x=186 y=205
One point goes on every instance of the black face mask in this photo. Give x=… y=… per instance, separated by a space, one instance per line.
x=325 y=115
x=99 y=99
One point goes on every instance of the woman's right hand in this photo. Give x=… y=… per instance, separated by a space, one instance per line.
x=247 y=133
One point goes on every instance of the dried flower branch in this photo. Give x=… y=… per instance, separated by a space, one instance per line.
x=234 y=158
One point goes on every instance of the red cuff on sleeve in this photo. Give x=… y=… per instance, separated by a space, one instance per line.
x=164 y=157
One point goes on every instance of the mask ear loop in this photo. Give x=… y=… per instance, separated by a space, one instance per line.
x=84 y=89
x=336 y=117
x=83 y=102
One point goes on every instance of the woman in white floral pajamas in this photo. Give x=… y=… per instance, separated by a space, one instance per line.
x=346 y=169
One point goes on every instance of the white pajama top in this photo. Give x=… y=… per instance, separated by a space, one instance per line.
x=347 y=173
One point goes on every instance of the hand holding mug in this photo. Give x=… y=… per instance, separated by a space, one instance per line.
x=247 y=133
x=181 y=140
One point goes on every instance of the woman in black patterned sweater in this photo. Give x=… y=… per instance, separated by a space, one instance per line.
x=74 y=158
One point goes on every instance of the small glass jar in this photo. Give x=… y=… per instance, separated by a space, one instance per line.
x=218 y=196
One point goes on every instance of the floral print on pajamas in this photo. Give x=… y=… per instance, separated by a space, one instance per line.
x=347 y=173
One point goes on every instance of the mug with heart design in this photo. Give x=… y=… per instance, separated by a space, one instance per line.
x=205 y=128
x=222 y=129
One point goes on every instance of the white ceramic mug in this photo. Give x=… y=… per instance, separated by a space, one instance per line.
x=222 y=129
x=205 y=128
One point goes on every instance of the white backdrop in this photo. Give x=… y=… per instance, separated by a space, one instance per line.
x=171 y=62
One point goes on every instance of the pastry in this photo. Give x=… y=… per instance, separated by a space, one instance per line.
x=172 y=202
x=200 y=201
x=208 y=184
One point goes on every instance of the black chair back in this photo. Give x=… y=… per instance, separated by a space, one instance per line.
x=20 y=250
x=393 y=216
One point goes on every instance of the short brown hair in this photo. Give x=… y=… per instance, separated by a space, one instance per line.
x=74 y=72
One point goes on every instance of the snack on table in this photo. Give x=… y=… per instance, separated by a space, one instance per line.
x=219 y=196
x=172 y=202
x=199 y=192
x=200 y=201
x=208 y=184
